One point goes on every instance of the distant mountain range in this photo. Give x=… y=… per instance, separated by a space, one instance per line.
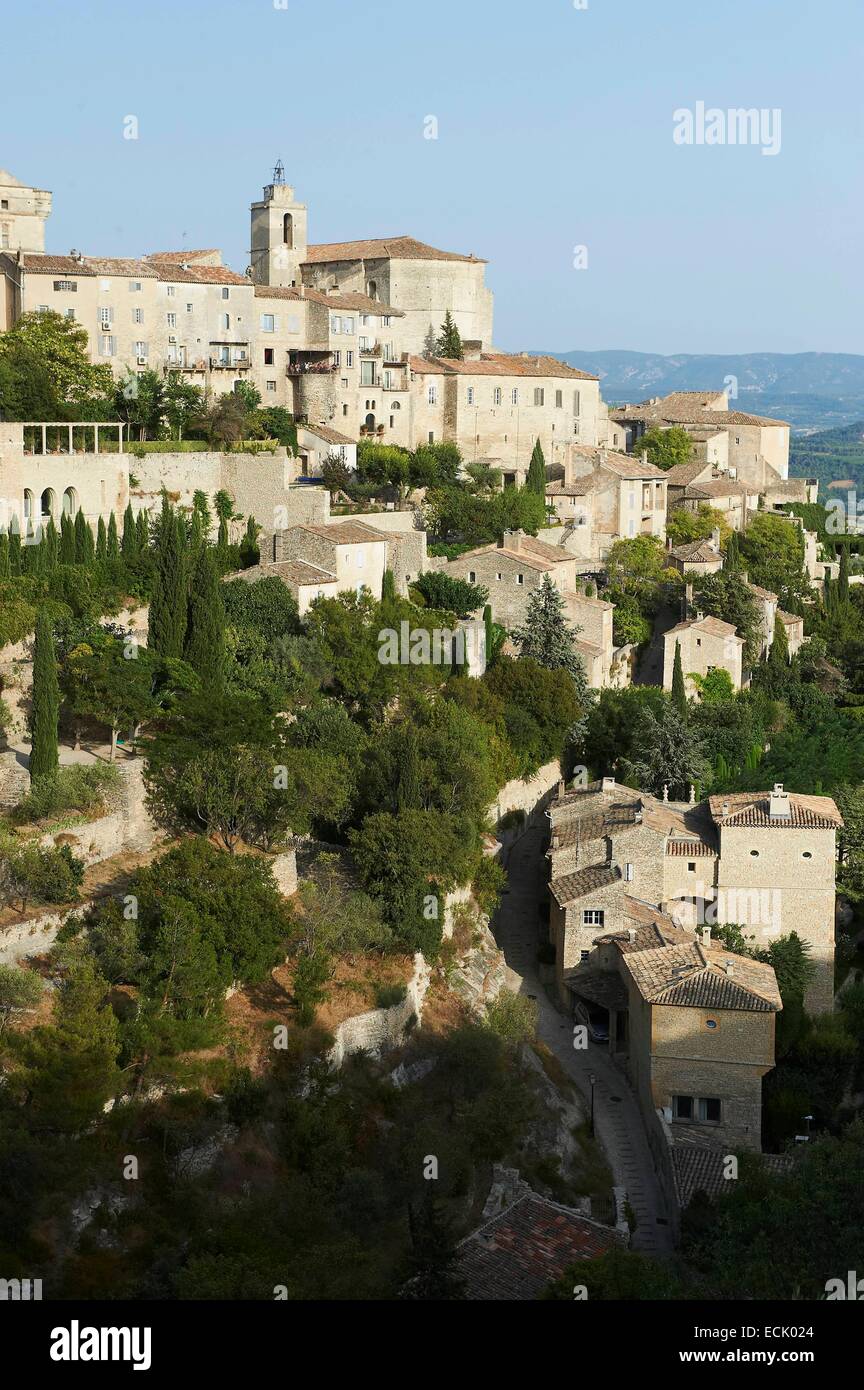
x=812 y=390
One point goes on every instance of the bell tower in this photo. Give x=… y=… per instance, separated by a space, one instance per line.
x=278 y=234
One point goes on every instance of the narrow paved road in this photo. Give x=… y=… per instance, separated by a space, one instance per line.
x=618 y=1123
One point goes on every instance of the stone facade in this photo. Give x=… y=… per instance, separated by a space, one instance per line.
x=706 y=644
x=512 y=571
x=23 y=214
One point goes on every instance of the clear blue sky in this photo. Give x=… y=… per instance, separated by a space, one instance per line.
x=555 y=129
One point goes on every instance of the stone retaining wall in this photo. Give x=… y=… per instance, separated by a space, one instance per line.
x=380 y=1029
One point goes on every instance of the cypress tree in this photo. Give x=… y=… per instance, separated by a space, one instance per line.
x=196 y=532
x=101 y=541
x=14 y=552
x=408 y=794
x=205 y=632
x=732 y=559
x=168 y=599
x=778 y=656
x=32 y=557
x=142 y=532
x=388 y=587
x=112 y=547
x=487 y=623
x=5 y=572
x=67 y=541
x=222 y=542
x=843 y=578
x=52 y=546
x=249 y=545
x=81 y=528
x=536 y=479
x=182 y=533
x=46 y=701
x=679 y=690
x=129 y=547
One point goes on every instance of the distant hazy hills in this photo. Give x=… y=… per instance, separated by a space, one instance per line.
x=812 y=390
x=832 y=456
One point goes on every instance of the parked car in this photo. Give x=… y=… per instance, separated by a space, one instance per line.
x=596 y=1020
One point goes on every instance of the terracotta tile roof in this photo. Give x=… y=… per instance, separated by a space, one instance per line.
x=701 y=1167
x=498 y=364
x=714 y=627
x=690 y=849
x=752 y=809
x=517 y=1254
x=684 y=473
x=56 y=265
x=359 y=303
x=762 y=593
x=181 y=256
x=720 y=488
x=697 y=552
x=629 y=466
x=536 y=554
x=345 y=532
x=682 y=409
x=327 y=433
x=698 y=976
x=790 y=619
x=570 y=887
x=299 y=572
x=398 y=248
x=603 y=987
x=198 y=274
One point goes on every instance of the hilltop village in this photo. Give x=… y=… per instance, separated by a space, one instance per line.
x=394 y=732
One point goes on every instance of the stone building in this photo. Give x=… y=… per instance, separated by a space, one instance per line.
x=512 y=571
x=697 y=558
x=353 y=553
x=700 y=483
x=23 y=214
x=604 y=497
x=719 y=861
x=706 y=644
x=758 y=447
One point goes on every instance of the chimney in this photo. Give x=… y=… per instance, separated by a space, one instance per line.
x=779 y=806
x=512 y=540
x=556 y=842
x=637 y=815
x=631 y=935
x=665 y=791
x=608 y=784
x=561 y=786
x=729 y=967
x=692 y=795
x=725 y=808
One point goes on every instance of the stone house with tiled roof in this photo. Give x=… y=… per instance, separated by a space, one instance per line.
x=707 y=644
x=512 y=571
x=517 y=1254
x=697 y=557
x=604 y=497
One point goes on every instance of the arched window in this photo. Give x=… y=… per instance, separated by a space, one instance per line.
x=372 y=289
x=288 y=231
x=370 y=422
x=28 y=504
x=48 y=502
x=70 y=501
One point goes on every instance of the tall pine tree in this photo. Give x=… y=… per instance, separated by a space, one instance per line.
x=778 y=656
x=46 y=701
x=450 y=340
x=547 y=638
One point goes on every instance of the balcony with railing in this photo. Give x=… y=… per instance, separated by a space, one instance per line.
x=304 y=363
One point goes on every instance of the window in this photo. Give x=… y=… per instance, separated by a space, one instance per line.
x=349 y=358
x=386 y=321
x=498 y=576
x=514 y=395
x=584 y=955
x=344 y=410
x=226 y=293
x=470 y=395
x=708 y=1109
x=69 y=313
x=337 y=359
x=472 y=576
x=172 y=320
x=559 y=400
x=433 y=395
x=170 y=291
x=335 y=323
x=66 y=286
x=107 y=345
x=224 y=321
x=682 y=1107
x=576 y=400
x=134 y=286
x=710 y=1023
x=806 y=854
x=361 y=559
x=269 y=357
x=4 y=234
x=754 y=854
x=268 y=323
x=593 y=917
x=271 y=385
x=106 y=318
x=188 y=308
x=496 y=396
x=691 y=866
x=141 y=350
x=4 y=204
x=348 y=325
x=628 y=873
x=520 y=579
x=539 y=395
x=137 y=315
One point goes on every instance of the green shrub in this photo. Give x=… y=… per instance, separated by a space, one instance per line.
x=388 y=996
x=68 y=789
